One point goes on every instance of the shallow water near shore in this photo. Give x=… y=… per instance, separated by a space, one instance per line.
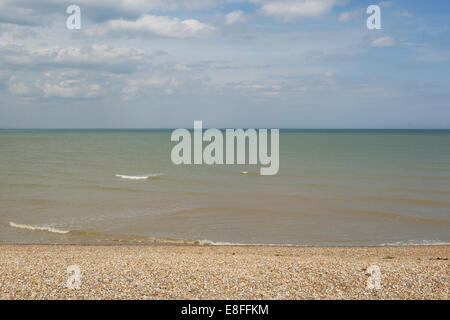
x=334 y=187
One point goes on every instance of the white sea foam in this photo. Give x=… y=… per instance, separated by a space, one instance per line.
x=214 y=243
x=143 y=177
x=416 y=243
x=38 y=228
x=399 y=243
x=250 y=173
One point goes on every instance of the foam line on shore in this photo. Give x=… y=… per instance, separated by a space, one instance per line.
x=109 y=238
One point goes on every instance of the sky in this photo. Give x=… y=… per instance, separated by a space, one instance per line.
x=229 y=63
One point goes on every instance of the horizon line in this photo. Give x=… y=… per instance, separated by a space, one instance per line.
x=221 y=128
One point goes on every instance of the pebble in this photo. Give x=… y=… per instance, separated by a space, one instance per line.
x=223 y=272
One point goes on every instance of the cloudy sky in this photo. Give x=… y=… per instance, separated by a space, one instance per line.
x=230 y=63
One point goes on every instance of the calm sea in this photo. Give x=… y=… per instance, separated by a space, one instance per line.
x=334 y=187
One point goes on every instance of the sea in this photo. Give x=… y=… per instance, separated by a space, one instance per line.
x=333 y=188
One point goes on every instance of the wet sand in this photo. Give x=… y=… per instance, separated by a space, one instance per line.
x=224 y=272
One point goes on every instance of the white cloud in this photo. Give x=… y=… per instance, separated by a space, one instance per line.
x=54 y=90
x=70 y=89
x=27 y=12
x=290 y=10
x=350 y=15
x=235 y=17
x=256 y=89
x=181 y=67
x=18 y=88
x=254 y=86
x=162 y=26
x=101 y=57
x=53 y=85
x=383 y=42
x=271 y=93
x=156 y=83
x=94 y=54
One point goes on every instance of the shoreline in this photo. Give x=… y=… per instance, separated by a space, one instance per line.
x=30 y=271
x=150 y=245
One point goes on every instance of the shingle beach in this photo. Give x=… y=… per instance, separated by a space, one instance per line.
x=224 y=272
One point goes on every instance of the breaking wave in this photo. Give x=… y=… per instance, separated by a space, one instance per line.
x=143 y=177
x=38 y=228
x=250 y=173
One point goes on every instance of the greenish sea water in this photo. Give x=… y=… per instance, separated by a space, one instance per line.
x=334 y=187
